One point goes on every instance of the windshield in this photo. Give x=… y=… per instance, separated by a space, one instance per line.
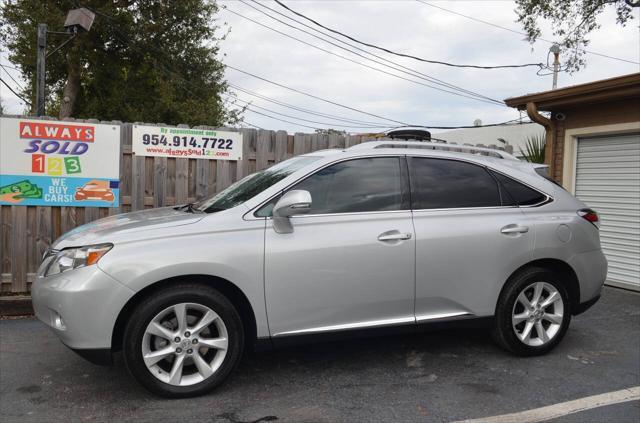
x=252 y=185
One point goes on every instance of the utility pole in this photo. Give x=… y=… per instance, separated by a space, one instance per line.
x=40 y=67
x=555 y=49
x=77 y=21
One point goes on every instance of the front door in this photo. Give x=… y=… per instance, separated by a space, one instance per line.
x=349 y=263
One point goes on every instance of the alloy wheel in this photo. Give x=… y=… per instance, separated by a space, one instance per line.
x=185 y=344
x=537 y=314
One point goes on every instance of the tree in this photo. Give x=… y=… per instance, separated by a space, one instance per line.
x=142 y=60
x=571 y=20
x=331 y=131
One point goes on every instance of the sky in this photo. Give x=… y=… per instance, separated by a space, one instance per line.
x=406 y=26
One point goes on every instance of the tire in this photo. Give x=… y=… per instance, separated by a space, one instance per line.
x=156 y=319
x=514 y=320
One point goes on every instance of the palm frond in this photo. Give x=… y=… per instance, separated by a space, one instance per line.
x=534 y=149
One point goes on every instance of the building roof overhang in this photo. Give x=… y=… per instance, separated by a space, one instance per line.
x=618 y=88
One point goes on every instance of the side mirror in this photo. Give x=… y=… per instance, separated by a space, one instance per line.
x=293 y=202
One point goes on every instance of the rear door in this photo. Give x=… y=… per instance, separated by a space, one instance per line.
x=350 y=262
x=467 y=241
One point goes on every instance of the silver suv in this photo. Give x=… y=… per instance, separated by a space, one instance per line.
x=383 y=235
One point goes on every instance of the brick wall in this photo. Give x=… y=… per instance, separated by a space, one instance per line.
x=614 y=112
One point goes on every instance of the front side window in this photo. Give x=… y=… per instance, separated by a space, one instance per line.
x=442 y=184
x=359 y=185
x=252 y=185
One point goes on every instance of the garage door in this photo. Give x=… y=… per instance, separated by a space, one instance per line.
x=608 y=180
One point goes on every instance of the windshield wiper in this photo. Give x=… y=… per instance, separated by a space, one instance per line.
x=189 y=208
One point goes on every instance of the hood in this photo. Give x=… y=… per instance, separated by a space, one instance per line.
x=105 y=230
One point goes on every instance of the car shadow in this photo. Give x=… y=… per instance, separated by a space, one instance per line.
x=412 y=355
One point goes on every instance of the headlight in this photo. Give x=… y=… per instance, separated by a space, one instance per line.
x=72 y=258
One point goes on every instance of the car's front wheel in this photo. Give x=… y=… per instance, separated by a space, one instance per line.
x=183 y=341
x=533 y=313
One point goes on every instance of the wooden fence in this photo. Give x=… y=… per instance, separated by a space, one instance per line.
x=145 y=182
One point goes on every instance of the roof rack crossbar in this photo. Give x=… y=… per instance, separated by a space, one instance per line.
x=432 y=146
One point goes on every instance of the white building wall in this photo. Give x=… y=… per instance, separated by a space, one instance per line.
x=515 y=134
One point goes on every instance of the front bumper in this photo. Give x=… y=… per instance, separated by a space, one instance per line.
x=100 y=356
x=81 y=306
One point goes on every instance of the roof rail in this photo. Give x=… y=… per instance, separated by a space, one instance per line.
x=470 y=149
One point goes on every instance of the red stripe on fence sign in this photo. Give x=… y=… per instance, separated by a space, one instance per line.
x=53 y=131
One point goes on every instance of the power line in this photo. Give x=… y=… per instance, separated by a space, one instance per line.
x=282 y=120
x=520 y=32
x=121 y=36
x=385 y=61
x=251 y=124
x=491 y=101
x=353 y=124
x=360 y=63
x=505 y=123
x=314 y=96
x=509 y=122
x=250 y=106
x=10 y=76
x=28 y=103
x=437 y=62
x=126 y=40
x=300 y=109
x=9 y=67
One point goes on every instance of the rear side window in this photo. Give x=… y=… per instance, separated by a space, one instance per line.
x=517 y=194
x=360 y=185
x=440 y=183
x=544 y=172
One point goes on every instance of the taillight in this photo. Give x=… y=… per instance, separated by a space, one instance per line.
x=590 y=216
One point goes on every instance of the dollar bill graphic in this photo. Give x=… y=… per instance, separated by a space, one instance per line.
x=22 y=189
x=16 y=187
x=36 y=192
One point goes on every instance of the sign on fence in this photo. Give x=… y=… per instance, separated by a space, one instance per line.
x=51 y=163
x=187 y=143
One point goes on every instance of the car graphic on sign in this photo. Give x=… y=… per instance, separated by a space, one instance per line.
x=95 y=190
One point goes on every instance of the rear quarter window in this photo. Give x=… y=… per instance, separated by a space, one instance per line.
x=517 y=193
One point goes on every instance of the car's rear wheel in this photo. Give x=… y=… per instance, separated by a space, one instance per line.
x=183 y=341
x=533 y=312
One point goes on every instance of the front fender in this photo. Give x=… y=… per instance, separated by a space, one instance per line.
x=237 y=257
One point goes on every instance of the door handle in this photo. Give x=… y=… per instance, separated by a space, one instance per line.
x=393 y=236
x=514 y=229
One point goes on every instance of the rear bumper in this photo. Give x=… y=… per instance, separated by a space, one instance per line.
x=591 y=270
